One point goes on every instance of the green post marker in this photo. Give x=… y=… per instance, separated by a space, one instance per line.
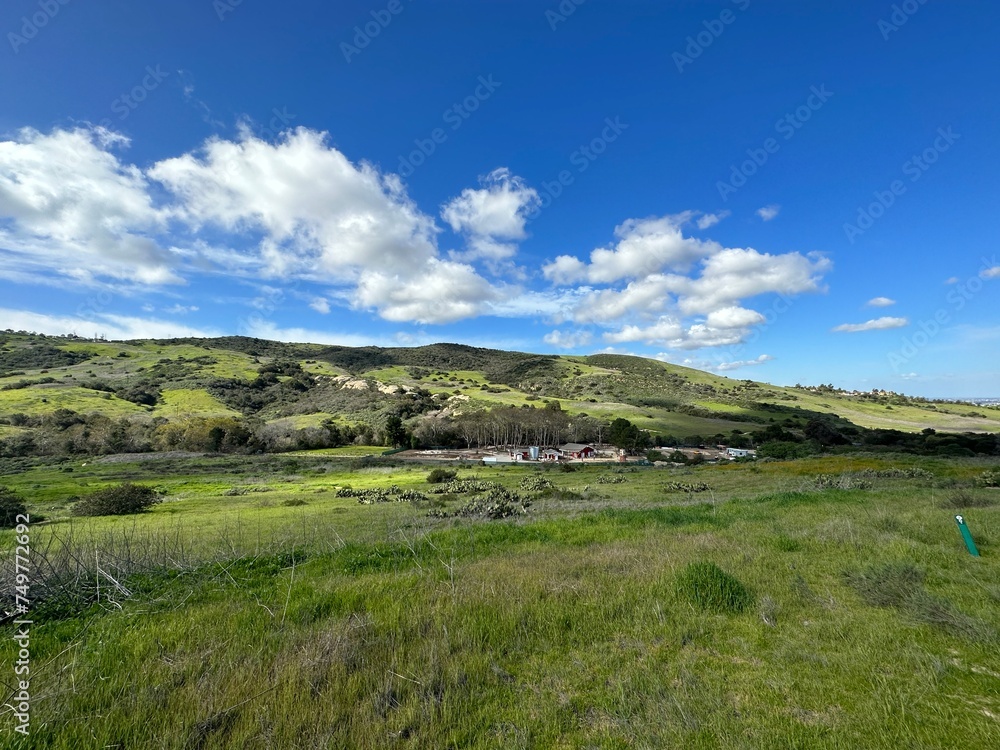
x=967 y=536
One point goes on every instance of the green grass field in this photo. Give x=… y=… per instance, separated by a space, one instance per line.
x=45 y=399
x=181 y=403
x=268 y=611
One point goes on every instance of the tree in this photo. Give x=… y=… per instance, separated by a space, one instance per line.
x=11 y=506
x=823 y=433
x=624 y=434
x=122 y=499
x=395 y=435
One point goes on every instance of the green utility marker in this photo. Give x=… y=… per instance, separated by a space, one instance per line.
x=967 y=536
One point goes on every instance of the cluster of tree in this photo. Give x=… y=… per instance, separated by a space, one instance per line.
x=513 y=426
x=277 y=382
x=623 y=434
x=525 y=425
x=65 y=432
x=821 y=435
x=931 y=442
x=34 y=354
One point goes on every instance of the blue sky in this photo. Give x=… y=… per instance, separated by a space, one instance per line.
x=783 y=191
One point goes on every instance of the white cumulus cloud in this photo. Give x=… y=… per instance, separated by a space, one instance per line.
x=493 y=216
x=881 y=302
x=769 y=212
x=110 y=326
x=320 y=305
x=879 y=324
x=710 y=220
x=568 y=339
x=739 y=364
x=644 y=246
x=659 y=287
x=74 y=209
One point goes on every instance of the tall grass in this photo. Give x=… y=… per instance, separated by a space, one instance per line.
x=612 y=621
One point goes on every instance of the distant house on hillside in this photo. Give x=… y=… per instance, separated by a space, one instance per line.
x=577 y=450
x=740 y=453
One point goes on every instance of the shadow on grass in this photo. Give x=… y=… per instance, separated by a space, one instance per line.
x=900 y=586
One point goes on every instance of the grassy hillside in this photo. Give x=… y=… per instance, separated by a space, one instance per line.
x=290 y=392
x=826 y=603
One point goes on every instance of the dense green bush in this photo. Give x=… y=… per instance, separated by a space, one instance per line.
x=120 y=500
x=783 y=450
x=708 y=587
x=440 y=476
x=11 y=506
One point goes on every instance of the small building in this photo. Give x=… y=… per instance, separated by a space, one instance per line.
x=577 y=450
x=741 y=453
x=550 y=454
x=499 y=458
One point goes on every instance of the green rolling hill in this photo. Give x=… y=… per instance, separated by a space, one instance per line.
x=58 y=393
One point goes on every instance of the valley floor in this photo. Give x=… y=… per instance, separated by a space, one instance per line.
x=820 y=603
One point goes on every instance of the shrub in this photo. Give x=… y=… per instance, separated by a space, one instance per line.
x=440 y=476
x=686 y=487
x=990 y=478
x=841 y=482
x=497 y=503
x=708 y=587
x=535 y=483
x=122 y=499
x=611 y=479
x=11 y=506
